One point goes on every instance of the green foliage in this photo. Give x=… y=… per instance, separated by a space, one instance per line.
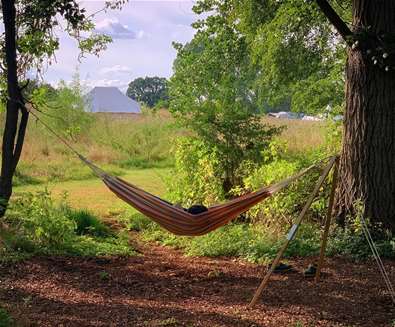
x=87 y=223
x=290 y=45
x=5 y=319
x=212 y=93
x=197 y=173
x=65 y=106
x=334 y=132
x=253 y=242
x=351 y=240
x=151 y=91
x=294 y=46
x=279 y=209
x=37 y=41
x=41 y=226
x=136 y=221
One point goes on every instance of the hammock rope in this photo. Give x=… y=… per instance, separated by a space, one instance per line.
x=376 y=256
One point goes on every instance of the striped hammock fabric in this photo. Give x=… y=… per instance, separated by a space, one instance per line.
x=178 y=221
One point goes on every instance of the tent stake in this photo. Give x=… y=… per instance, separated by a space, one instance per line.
x=292 y=232
x=327 y=221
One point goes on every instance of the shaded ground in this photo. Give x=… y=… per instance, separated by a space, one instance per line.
x=163 y=288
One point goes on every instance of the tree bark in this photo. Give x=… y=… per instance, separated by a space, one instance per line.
x=13 y=136
x=367 y=164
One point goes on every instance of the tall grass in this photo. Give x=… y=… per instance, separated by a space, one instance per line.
x=116 y=143
x=301 y=135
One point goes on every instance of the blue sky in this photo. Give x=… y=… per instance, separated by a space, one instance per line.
x=142 y=34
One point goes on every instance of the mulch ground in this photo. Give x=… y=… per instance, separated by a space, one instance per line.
x=163 y=288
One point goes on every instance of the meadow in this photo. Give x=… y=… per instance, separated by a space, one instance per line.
x=141 y=150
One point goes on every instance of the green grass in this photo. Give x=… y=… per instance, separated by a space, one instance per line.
x=39 y=225
x=255 y=243
x=92 y=194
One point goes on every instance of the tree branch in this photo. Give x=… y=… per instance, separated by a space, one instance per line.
x=340 y=26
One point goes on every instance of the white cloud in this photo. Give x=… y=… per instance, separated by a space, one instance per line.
x=104 y=82
x=115 y=69
x=113 y=28
x=153 y=26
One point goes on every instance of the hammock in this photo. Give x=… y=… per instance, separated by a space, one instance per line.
x=177 y=220
x=172 y=218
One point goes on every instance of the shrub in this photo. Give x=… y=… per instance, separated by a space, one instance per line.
x=40 y=221
x=256 y=243
x=197 y=174
x=41 y=226
x=136 y=221
x=87 y=223
x=351 y=241
x=281 y=208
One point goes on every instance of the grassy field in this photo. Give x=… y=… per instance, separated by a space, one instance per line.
x=300 y=135
x=95 y=196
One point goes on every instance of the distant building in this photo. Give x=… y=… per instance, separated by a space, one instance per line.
x=111 y=100
x=312 y=118
x=285 y=115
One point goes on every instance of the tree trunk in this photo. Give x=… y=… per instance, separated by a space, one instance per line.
x=367 y=164
x=13 y=136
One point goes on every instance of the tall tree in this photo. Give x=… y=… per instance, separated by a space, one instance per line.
x=149 y=90
x=305 y=51
x=367 y=171
x=367 y=174
x=213 y=93
x=29 y=42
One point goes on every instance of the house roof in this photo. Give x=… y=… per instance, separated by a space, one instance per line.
x=112 y=100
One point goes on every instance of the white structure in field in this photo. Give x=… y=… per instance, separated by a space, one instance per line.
x=111 y=100
x=284 y=115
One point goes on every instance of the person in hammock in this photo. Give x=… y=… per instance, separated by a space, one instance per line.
x=194 y=209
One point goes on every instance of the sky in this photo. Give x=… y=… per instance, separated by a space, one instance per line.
x=142 y=33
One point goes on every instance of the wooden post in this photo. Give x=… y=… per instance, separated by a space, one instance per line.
x=292 y=232
x=327 y=221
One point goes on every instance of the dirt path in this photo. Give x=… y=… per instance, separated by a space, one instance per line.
x=163 y=288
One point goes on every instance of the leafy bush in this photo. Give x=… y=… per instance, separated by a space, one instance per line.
x=66 y=106
x=213 y=93
x=197 y=174
x=137 y=221
x=253 y=242
x=281 y=208
x=351 y=241
x=40 y=221
x=41 y=226
x=87 y=223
